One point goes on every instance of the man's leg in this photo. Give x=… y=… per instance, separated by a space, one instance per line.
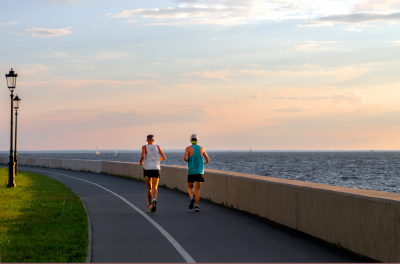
x=154 y=184
x=197 y=192
x=190 y=191
x=148 y=186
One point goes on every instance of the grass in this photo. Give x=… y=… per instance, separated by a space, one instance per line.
x=41 y=220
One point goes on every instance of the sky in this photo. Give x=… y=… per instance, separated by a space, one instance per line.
x=265 y=75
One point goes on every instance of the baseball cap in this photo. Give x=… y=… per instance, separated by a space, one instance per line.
x=194 y=139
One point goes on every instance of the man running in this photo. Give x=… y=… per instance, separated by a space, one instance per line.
x=194 y=157
x=150 y=159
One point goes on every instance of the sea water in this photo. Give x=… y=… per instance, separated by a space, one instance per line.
x=370 y=170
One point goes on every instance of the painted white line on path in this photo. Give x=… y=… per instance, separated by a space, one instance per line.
x=174 y=243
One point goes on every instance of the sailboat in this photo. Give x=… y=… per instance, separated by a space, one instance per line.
x=116 y=152
x=97 y=151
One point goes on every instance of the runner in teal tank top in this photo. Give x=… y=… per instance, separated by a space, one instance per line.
x=194 y=157
x=195 y=162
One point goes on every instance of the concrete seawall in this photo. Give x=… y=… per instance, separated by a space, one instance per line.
x=365 y=222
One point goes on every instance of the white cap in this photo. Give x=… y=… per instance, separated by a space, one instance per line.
x=194 y=136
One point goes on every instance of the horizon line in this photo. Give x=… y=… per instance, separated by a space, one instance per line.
x=213 y=150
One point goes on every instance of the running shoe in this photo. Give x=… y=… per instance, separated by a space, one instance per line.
x=149 y=208
x=197 y=208
x=191 y=203
x=154 y=207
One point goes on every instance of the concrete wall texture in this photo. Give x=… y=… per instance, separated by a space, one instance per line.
x=362 y=221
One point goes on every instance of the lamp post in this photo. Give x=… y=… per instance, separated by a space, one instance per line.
x=17 y=102
x=11 y=84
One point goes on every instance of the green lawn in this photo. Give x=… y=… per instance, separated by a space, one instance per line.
x=41 y=220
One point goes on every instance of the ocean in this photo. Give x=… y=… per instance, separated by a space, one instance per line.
x=369 y=170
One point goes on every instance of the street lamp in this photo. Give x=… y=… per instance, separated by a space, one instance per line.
x=11 y=84
x=17 y=102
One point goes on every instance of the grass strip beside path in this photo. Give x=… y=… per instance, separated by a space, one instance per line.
x=41 y=220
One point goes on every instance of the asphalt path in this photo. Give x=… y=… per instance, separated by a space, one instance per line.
x=122 y=230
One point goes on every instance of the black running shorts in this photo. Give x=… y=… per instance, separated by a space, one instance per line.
x=196 y=178
x=151 y=173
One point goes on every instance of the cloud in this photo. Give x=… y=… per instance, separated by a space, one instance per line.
x=395 y=43
x=216 y=12
x=355 y=28
x=346 y=98
x=315 y=44
x=111 y=55
x=352 y=18
x=35 y=70
x=256 y=95
x=50 y=53
x=307 y=71
x=95 y=82
x=351 y=98
x=190 y=15
x=225 y=12
x=102 y=118
x=46 y=33
x=339 y=73
x=8 y=24
x=375 y=5
x=290 y=110
x=221 y=74
x=59 y=2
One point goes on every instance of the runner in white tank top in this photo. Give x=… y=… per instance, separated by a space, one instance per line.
x=150 y=159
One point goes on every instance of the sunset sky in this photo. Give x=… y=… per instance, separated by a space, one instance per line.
x=266 y=75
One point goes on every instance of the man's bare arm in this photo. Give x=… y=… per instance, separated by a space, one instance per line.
x=205 y=156
x=143 y=153
x=161 y=153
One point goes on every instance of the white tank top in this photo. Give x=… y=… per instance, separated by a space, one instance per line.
x=152 y=158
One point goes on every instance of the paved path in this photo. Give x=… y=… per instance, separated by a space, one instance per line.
x=123 y=231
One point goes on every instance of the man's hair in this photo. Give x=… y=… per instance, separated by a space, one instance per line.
x=150 y=136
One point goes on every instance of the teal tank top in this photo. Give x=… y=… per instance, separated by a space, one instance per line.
x=195 y=163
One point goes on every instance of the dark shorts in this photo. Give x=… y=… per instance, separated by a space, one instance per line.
x=151 y=173
x=196 y=178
